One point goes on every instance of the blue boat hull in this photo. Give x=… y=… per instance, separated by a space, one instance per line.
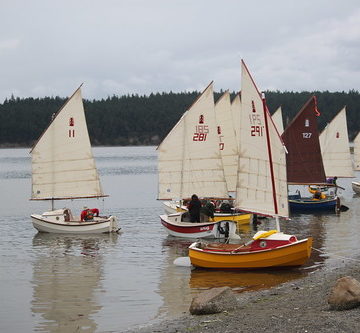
x=298 y=204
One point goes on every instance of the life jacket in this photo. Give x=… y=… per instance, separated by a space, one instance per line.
x=89 y=215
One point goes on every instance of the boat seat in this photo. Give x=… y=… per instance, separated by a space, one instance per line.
x=225 y=247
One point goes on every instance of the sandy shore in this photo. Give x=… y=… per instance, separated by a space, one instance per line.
x=296 y=306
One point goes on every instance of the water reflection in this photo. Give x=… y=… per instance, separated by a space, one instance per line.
x=67 y=272
x=241 y=281
x=173 y=283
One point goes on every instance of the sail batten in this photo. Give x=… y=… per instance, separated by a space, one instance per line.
x=334 y=143
x=189 y=159
x=63 y=165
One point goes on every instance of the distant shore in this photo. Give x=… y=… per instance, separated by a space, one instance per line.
x=296 y=306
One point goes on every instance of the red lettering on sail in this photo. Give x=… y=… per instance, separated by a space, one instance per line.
x=201 y=132
x=253 y=106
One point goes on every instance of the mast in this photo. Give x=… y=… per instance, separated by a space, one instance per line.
x=270 y=162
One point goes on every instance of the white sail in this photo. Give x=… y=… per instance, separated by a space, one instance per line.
x=257 y=191
x=357 y=152
x=228 y=144
x=62 y=161
x=189 y=159
x=236 y=110
x=278 y=120
x=335 y=150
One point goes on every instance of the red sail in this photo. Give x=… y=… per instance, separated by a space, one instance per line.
x=301 y=137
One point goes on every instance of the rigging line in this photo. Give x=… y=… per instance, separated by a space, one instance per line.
x=335 y=255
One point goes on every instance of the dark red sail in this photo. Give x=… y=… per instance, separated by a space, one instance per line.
x=304 y=163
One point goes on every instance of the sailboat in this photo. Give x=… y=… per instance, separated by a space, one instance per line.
x=356 y=185
x=261 y=189
x=304 y=161
x=189 y=162
x=63 y=168
x=227 y=144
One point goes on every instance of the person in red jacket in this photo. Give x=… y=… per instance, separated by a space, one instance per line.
x=88 y=214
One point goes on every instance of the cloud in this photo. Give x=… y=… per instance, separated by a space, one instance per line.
x=9 y=44
x=142 y=46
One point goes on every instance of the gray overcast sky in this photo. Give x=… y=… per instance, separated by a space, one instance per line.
x=48 y=47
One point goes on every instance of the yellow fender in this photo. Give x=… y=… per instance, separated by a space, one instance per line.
x=265 y=234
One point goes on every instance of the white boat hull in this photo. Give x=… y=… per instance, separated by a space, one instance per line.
x=355 y=187
x=177 y=228
x=54 y=222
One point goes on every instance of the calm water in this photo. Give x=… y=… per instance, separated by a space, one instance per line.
x=56 y=283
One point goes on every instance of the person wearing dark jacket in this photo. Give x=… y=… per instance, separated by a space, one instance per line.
x=194 y=208
x=208 y=210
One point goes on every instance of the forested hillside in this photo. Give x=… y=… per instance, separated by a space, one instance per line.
x=145 y=120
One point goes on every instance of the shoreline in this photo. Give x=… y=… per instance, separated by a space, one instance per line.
x=294 y=306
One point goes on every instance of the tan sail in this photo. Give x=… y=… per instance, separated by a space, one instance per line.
x=62 y=161
x=255 y=190
x=236 y=110
x=278 y=120
x=189 y=159
x=228 y=144
x=357 y=152
x=335 y=150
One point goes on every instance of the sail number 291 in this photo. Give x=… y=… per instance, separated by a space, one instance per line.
x=256 y=129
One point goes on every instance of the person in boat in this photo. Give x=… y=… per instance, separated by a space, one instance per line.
x=225 y=207
x=88 y=214
x=317 y=194
x=207 y=211
x=194 y=208
x=332 y=180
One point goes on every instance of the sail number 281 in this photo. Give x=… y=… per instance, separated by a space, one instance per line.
x=201 y=132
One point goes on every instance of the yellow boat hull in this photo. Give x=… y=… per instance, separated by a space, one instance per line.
x=239 y=218
x=295 y=254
